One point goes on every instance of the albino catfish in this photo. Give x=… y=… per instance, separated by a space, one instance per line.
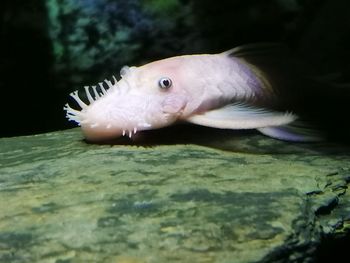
x=236 y=89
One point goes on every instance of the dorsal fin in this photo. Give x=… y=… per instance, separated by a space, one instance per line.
x=258 y=49
x=278 y=68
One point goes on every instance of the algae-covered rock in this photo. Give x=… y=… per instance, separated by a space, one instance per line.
x=184 y=198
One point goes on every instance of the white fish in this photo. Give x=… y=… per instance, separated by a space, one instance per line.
x=222 y=90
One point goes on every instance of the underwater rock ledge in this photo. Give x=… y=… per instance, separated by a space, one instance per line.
x=184 y=198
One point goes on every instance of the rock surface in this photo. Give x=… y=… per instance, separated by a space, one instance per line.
x=210 y=198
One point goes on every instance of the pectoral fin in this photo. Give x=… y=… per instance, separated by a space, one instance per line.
x=242 y=116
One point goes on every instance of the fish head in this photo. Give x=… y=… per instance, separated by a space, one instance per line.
x=146 y=97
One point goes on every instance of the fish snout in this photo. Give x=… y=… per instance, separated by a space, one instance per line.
x=116 y=116
x=125 y=116
x=121 y=111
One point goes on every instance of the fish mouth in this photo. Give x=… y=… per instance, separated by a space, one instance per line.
x=109 y=113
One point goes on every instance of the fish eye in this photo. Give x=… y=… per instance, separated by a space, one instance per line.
x=165 y=83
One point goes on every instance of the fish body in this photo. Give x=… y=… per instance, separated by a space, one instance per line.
x=220 y=90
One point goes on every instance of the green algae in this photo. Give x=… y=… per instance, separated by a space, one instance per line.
x=209 y=199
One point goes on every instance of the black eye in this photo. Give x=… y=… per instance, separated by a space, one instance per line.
x=165 y=83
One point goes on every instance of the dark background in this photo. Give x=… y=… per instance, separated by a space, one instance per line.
x=50 y=48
